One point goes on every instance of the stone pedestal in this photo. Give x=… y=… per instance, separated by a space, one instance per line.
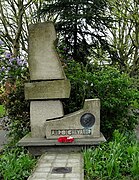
x=49 y=83
x=40 y=112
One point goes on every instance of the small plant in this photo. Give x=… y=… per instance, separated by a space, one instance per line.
x=16 y=164
x=2 y=111
x=117 y=159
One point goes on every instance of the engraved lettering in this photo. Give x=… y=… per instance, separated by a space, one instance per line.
x=63 y=132
x=58 y=132
x=69 y=132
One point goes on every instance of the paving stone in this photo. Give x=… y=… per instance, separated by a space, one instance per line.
x=44 y=170
x=50 y=157
x=55 y=176
x=60 y=160
x=61 y=156
x=71 y=178
x=59 y=164
x=44 y=165
x=39 y=175
x=74 y=175
x=74 y=160
x=39 y=179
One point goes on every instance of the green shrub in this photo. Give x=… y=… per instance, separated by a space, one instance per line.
x=2 y=111
x=77 y=75
x=18 y=112
x=117 y=93
x=16 y=164
x=115 y=90
x=14 y=73
x=118 y=159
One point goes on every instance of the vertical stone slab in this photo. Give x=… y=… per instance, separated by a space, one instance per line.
x=44 y=63
x=40 y=111
x=93 y=106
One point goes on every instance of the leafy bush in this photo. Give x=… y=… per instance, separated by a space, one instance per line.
x=16 y=164
x=14 y=73
x=118 y=159
x=115 y=90
x=17 y=110
x=77 y=75
x=2 y=111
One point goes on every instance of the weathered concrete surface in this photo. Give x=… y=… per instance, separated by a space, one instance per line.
x=70 y=125
x=40 y=111
x=46 y=114
x=29 y=141
x=56 y=89
x=38 y=146
x=44 y=63
x=49 y=161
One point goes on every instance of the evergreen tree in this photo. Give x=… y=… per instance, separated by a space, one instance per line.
x=81 y=24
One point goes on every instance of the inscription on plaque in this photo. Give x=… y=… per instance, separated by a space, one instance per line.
x=58 y=132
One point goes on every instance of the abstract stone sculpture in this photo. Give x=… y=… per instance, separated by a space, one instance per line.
x=47 y=87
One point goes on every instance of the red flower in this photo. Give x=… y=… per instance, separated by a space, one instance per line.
x=65 y=139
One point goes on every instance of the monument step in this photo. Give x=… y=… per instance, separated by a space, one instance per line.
x=38 y=146
x=60 y=166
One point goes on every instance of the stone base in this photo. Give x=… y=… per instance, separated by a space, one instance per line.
x=72 y=125
x=40 y=111
x=38 y=146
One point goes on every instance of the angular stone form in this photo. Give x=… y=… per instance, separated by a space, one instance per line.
x=44 y=63
x=56 y=89
x=71 y=124
x=40 y=111
x=49 y=85
x=93 y=105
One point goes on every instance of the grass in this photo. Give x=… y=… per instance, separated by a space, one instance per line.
x=16 y=164
x=114 y=160
x=2 y=111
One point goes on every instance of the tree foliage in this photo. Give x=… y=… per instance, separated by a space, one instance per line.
x=14 y=23
x=81 y=24
x=124 y=37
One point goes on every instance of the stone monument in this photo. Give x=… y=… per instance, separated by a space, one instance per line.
x=47 y=87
